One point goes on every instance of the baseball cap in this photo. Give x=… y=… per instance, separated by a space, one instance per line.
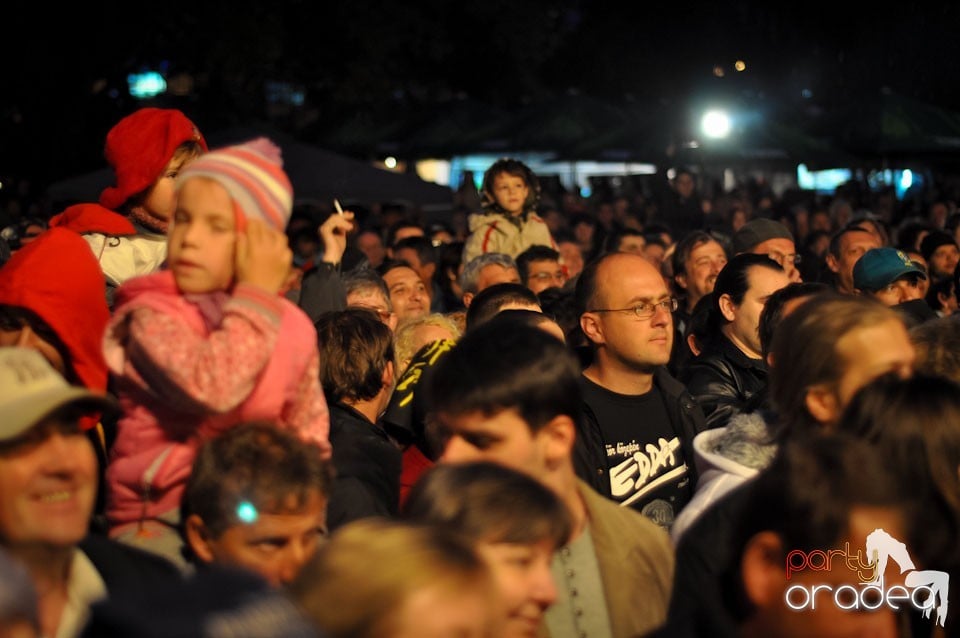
x=758 y=231
x=31 y=390
x=879 y=267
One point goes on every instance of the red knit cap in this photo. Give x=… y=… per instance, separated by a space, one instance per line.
x=252 y=173
x=139 y=147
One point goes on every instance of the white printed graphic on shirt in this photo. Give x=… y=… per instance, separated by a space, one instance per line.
x=638 y=473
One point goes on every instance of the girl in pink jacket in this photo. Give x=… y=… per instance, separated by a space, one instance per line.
x=208 y=343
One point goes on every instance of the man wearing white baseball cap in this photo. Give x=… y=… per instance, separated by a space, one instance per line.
x=48 y=484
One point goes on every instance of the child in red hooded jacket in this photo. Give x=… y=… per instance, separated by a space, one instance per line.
x=127 y=229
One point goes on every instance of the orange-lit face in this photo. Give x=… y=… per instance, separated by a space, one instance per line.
x=203 y=238
x=274 y=545
x=510 y=192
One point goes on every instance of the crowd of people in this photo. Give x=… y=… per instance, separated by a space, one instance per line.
x=229 y=414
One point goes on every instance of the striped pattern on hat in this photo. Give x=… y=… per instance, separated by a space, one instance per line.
x=252 y=173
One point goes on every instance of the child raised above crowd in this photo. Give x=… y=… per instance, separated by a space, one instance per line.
x=508 y=224
x=127 y=228
x=210 y=342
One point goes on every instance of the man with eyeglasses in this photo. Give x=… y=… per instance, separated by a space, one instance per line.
x=366 y=289
x=540 y=268
x=635 y=444
x=771 y=238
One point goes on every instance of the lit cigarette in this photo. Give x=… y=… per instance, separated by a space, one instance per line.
x=336 y=205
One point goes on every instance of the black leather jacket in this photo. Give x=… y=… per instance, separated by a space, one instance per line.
x=368 y=469
x=589 y=454
x=722 y=379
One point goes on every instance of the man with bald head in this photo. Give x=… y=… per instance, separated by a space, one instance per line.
x=635 y=446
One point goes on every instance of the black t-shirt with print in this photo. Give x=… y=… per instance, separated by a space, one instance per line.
x=647 y=468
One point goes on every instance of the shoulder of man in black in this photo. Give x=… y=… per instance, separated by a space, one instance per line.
x=685 y=413
x=127 y=570
x=703 y=557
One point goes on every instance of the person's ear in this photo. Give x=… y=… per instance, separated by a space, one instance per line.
x=943 y=299
x=762 y=570
x=198 y=538
x=727 y=307
x=681 y=280
x=388 y=375
x=591 y=327
x=832 y=263
x=557 y=438
x=822 y=404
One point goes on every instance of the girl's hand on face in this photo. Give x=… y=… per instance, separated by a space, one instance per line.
x=263 y=256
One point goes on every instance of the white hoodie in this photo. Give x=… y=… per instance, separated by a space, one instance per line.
x=726 y=458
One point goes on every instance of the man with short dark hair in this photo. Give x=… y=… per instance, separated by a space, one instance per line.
x=625 y=240
x=490 y=301
x=512 y=397
x=418 y=251
x=409 y=297
x=539 y=268
x=251 y=486
x=358 y=379
x=640 y=422
x=847 y=246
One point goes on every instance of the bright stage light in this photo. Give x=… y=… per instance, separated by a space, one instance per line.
x=715 y=124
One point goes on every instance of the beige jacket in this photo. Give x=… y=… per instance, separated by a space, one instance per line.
x=495 y=233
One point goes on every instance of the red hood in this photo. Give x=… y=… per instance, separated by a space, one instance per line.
x=57 y=277
x=93 y=218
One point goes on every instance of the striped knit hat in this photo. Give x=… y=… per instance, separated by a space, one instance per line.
x=252 y=173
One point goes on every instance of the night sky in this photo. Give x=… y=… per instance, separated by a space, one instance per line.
x=64 y=83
